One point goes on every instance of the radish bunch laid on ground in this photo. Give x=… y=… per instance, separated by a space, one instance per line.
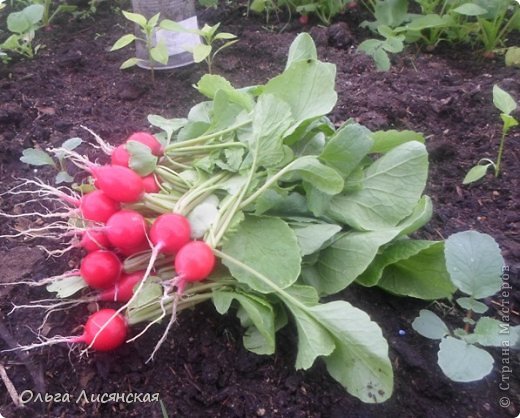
x=256 y=202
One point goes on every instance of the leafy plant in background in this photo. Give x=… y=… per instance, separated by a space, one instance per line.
x=49 y=15
x=157 y=51
x=476 y=23
x=475 y=265
x=491 y=21
x=504 y=102
x=23 y=26
x=38 y=157
x=207 y=50
x=378 y=49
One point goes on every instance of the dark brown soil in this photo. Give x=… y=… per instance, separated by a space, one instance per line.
x=203 y=370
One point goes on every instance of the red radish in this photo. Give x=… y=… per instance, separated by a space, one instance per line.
x=101 y=269
x=105 y=330
x=98 y=207
x=148 y=140
x=120 y=156
x=123 y=289
x=150 y=184
x=193 y=263
x=170 y=232
x=117 y=182
x=304 y=20
x=94 y=240
x=126 y=230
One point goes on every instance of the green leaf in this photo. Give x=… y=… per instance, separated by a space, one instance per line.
x=313 y=339
x=512 y=57
x=149 y=296
x=474 y=263
x=491 y=332
x=26 y=19
x=67 y=286
x=347 y=147
x=476 y=173
x=422 y=22
x=136 y=18
x=129 y=63
x=390 y=12
x=309 y=169
x=343 y=261
x=271 y=119
x=304 y=294
x=35 y=156
x=267 y=246
x=503 y=100
x=311 y=237
x=123 y=41
x=256 y=315
x=385 y=141
x=509 y=122
x=63 y=177
x=472 y=304
x=167 y=125
x=422 y=275
x=392 y=254
x=224 y=36
x=307 y=87
x=392 y=186
x=420 y=216
x=463 y=362
x=201 y=52
x=72 y=143
x=152 y=22
x=209 y=84
x=429 y=325
x=159 y=53
x=374 y=48
x=360 y=360
x=301 y=49
x=142 y=161
x=470 y=9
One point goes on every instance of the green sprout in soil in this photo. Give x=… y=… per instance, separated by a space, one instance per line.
x=476 y=268
x=504 y=102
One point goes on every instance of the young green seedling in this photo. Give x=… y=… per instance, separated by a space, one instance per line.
x=38 y=157
x=475 y=265
x=504 y=102
x=157 y=50
x=205 y=51
x=23 y=26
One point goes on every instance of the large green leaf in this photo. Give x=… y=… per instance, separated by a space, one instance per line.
x=25 y=20
x=142 y=161
x=312 y=236
x=311 y=170
x=302 y=48
x=422 y=275
x=391 y=189
x=474 y=263
x=272 y=117
x=343 y=261
x=255 y=314
x=360 y=361
x=307 y=87
x=347 y=147
x=384 y=141
x=463 y=362
x=269 y=247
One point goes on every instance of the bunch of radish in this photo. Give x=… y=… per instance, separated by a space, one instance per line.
x=112 y=225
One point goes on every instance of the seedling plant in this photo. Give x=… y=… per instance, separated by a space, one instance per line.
x=504 y=102
x=206 y=51
x=475 y=266
x=157 y=50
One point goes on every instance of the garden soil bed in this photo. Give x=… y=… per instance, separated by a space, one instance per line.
x=203 y=370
